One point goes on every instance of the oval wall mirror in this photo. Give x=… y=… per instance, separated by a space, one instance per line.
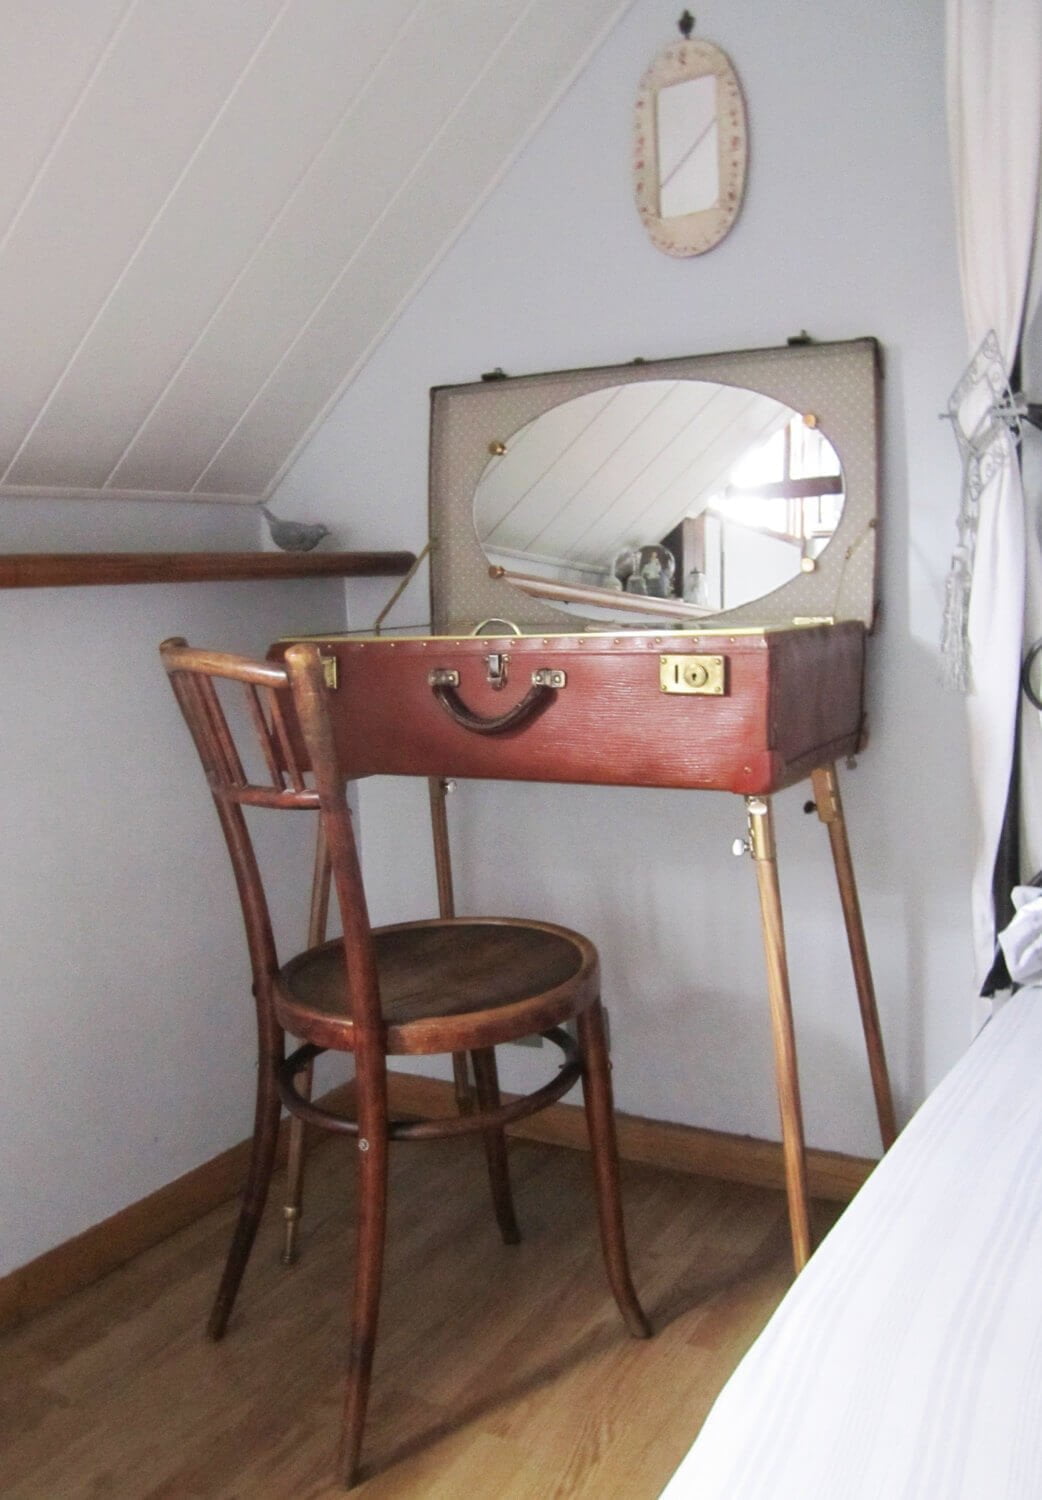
x=668 y=499
x=690 y=147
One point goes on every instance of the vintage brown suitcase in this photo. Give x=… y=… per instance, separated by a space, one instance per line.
x=747 y=700
x=743 y=711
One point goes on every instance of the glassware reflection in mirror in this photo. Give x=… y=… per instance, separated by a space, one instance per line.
x=688 y=147
x=667 y=499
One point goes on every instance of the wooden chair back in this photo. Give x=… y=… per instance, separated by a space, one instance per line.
x=284 y=708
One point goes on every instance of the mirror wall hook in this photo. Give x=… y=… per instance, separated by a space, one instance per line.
x=686 y=24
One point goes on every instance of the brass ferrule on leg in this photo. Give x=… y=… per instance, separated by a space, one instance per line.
x=291 y=1218
x=761 y=835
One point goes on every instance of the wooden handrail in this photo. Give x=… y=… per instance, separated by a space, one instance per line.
x=29 y=570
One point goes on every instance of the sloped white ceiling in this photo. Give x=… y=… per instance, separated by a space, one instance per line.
x=210 y=211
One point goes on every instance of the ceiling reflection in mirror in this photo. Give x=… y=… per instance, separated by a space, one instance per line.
x=664 y=499
x=688 y=147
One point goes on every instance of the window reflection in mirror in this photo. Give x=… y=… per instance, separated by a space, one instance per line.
x=688 y=147
x=671 y=498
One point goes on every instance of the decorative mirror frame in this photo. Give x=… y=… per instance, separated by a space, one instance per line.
x=838 y=384
x=695 y=233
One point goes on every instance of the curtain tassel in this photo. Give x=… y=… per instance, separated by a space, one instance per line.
x=955 y=635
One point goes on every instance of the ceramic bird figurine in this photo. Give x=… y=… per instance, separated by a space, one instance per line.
x=293 y=536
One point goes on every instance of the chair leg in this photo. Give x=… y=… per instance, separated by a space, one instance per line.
x=318 y=919
x=486 y=1079
x=293 y=1204
x=600 y=1119
x=465 y=1094
x=255 y=1192
x=365 y=1308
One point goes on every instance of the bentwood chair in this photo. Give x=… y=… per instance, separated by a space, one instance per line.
x=449 y=985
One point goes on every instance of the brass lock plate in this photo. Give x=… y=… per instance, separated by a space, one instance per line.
x=688 y=673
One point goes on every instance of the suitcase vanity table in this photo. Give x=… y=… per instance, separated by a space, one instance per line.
x=651 y=575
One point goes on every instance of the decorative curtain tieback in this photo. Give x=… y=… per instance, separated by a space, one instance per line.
x=985 y=418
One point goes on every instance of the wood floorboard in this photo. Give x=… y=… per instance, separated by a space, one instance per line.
x=500 y=1371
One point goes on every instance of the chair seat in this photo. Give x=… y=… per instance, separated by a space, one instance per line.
x=446 y=984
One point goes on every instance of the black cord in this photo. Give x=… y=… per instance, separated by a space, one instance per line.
x=1025 y=674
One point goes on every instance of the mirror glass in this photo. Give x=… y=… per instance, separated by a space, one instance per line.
x=660 y=499
x=688 y=147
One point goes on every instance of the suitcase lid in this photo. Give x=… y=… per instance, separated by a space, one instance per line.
x=524 y=459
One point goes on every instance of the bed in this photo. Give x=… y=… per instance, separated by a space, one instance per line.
x=905 y=1363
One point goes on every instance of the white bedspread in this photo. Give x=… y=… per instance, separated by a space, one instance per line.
x=906 y=1362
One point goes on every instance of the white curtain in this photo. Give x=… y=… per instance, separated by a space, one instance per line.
x=994 y=86
x=1031 y=457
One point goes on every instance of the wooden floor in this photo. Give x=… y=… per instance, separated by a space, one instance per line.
x=500 y=1372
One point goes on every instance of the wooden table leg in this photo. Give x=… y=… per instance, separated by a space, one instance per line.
x=438 y=788
x=317 y=922
x=830 y=811
x=762 y=848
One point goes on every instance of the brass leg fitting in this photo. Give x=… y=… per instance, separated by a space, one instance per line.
x=761 y=832
x=291 y=1217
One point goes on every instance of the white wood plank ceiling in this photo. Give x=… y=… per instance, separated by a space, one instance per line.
x=211 y=210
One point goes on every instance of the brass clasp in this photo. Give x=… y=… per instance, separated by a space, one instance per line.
x=687 y=673
x=497 y=663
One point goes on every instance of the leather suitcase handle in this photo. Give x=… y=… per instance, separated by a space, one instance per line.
x=445 y=681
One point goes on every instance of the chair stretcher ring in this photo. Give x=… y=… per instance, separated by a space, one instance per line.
x=427 y=1129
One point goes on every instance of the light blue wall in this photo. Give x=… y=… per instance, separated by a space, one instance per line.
x=127 y=1017
x=847 y=230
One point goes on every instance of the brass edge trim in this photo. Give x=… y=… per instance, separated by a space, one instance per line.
x=660 y=637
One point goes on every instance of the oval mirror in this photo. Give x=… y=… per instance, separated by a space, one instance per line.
x=666 y=499
x=689 y=148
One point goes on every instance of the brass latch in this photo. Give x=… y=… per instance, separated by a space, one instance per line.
x=692 y=674
x=329 y=672
x=496 y=663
